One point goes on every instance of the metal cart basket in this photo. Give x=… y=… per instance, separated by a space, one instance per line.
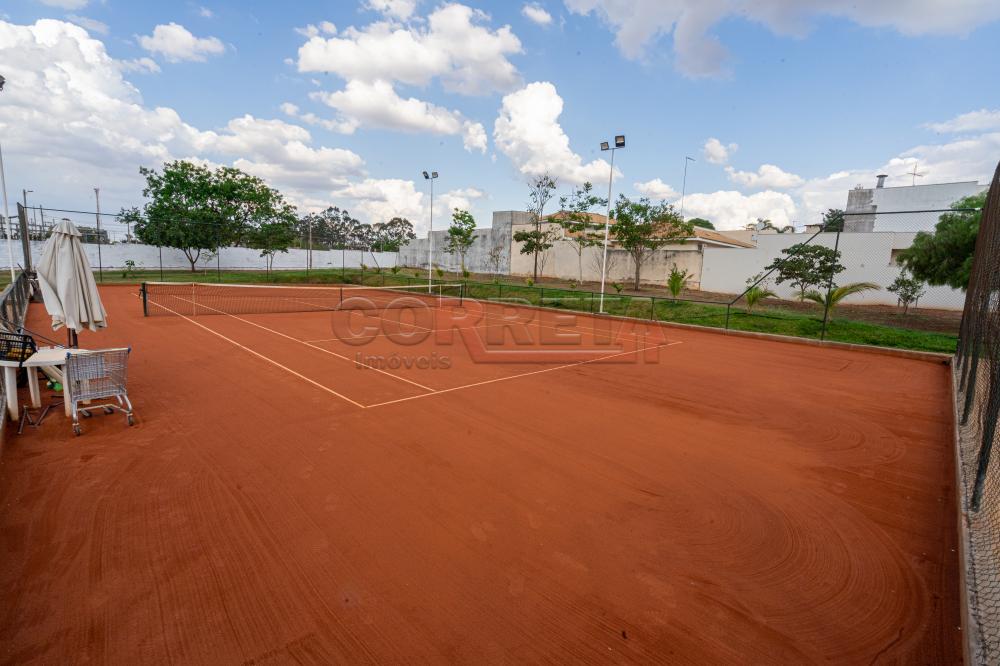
x=96 y=375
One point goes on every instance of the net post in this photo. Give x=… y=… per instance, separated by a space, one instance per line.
x=145 y=300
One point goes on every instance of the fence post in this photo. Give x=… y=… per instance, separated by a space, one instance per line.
x=728 y=307
x=541 y=297
x=829 y=288
x=218 y=254
x=160 y=249
x=652 y=307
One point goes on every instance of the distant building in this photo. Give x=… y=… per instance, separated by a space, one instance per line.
x=900 y=208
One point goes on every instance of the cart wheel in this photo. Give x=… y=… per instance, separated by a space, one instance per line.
x=85 y=413
x=131 y=420
x=108 y=410
x=77 y=430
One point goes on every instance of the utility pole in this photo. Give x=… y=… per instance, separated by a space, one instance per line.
x=685 y=183
x=100 y=263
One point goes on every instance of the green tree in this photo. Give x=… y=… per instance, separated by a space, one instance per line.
x=461 y=234
x=393 y=234
x=641 y=227
x=196 y=209
x=272 y=237
x=701 y=222
x=806 y=266
x=833 y=220
x=537 y=240
x=907 y=288
x=945 y=256
x=574 y=218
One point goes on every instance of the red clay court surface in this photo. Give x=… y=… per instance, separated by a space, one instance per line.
x=704 y=499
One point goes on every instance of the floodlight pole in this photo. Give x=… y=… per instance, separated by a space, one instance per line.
x=6 y=215
x=607 y=221
x=430 y=234
x=685 y=183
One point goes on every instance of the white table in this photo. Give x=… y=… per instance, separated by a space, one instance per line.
x=46 y=357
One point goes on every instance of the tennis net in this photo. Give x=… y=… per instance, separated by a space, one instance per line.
x=195 y=298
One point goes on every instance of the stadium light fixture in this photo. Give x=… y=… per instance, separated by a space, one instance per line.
x=619 y=143
x=430 y=234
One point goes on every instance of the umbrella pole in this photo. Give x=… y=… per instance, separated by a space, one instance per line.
x=74 y=341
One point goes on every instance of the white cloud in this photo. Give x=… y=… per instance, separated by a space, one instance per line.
x=656 y=189
x=376 y=104
x=379 y=199
x=767 y=176
x=973 y=121
x=89 y=24
x=142 y=65
x=536 y=14
x=175 y=43
x=717 y=152
x=528 y=132
x=81 y=123
x=397 y=9
x=65 y=4
x=728 y=209
x=638 y=23
x=454 y=47
x=205 y=12
x=324 y=28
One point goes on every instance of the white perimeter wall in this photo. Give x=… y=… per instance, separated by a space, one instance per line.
x=234 y=258
x=866 y=256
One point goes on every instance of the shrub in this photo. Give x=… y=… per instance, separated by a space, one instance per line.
x=677 y=280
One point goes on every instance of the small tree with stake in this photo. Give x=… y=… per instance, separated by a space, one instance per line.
x=537 y=240
x=578 y=230
x=641 y=227
x=907 y=288
x=461 y=234
x=806 y=266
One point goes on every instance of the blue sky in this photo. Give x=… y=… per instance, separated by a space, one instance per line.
x=346 y=102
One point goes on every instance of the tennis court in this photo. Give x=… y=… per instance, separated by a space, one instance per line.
x=453 y=480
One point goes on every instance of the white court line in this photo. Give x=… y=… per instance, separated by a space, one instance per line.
x=518 y=376
x=265 y=358
x=325 y=351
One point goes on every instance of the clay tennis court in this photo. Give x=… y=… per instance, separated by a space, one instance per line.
x=622 y=493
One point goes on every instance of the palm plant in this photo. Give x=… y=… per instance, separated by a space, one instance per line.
x=832 y=298
x=755 y=295
x=677 y=280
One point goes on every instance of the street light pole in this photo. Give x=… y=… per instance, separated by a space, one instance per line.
x=619 y=143
x=6 y=208
x=430 y=234
x=685 y=183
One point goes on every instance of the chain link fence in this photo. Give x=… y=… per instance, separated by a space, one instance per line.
x=977 y=380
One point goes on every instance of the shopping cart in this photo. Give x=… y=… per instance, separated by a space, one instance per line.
x=96 y=375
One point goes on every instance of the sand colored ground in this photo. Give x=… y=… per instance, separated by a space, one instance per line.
x=728 y=501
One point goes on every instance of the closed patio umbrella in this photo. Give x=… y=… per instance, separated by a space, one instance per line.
x=67 y=283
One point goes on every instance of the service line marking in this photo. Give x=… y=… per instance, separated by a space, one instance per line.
x=519 y=375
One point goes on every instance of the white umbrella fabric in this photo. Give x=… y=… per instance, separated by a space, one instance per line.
x=67 y=282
